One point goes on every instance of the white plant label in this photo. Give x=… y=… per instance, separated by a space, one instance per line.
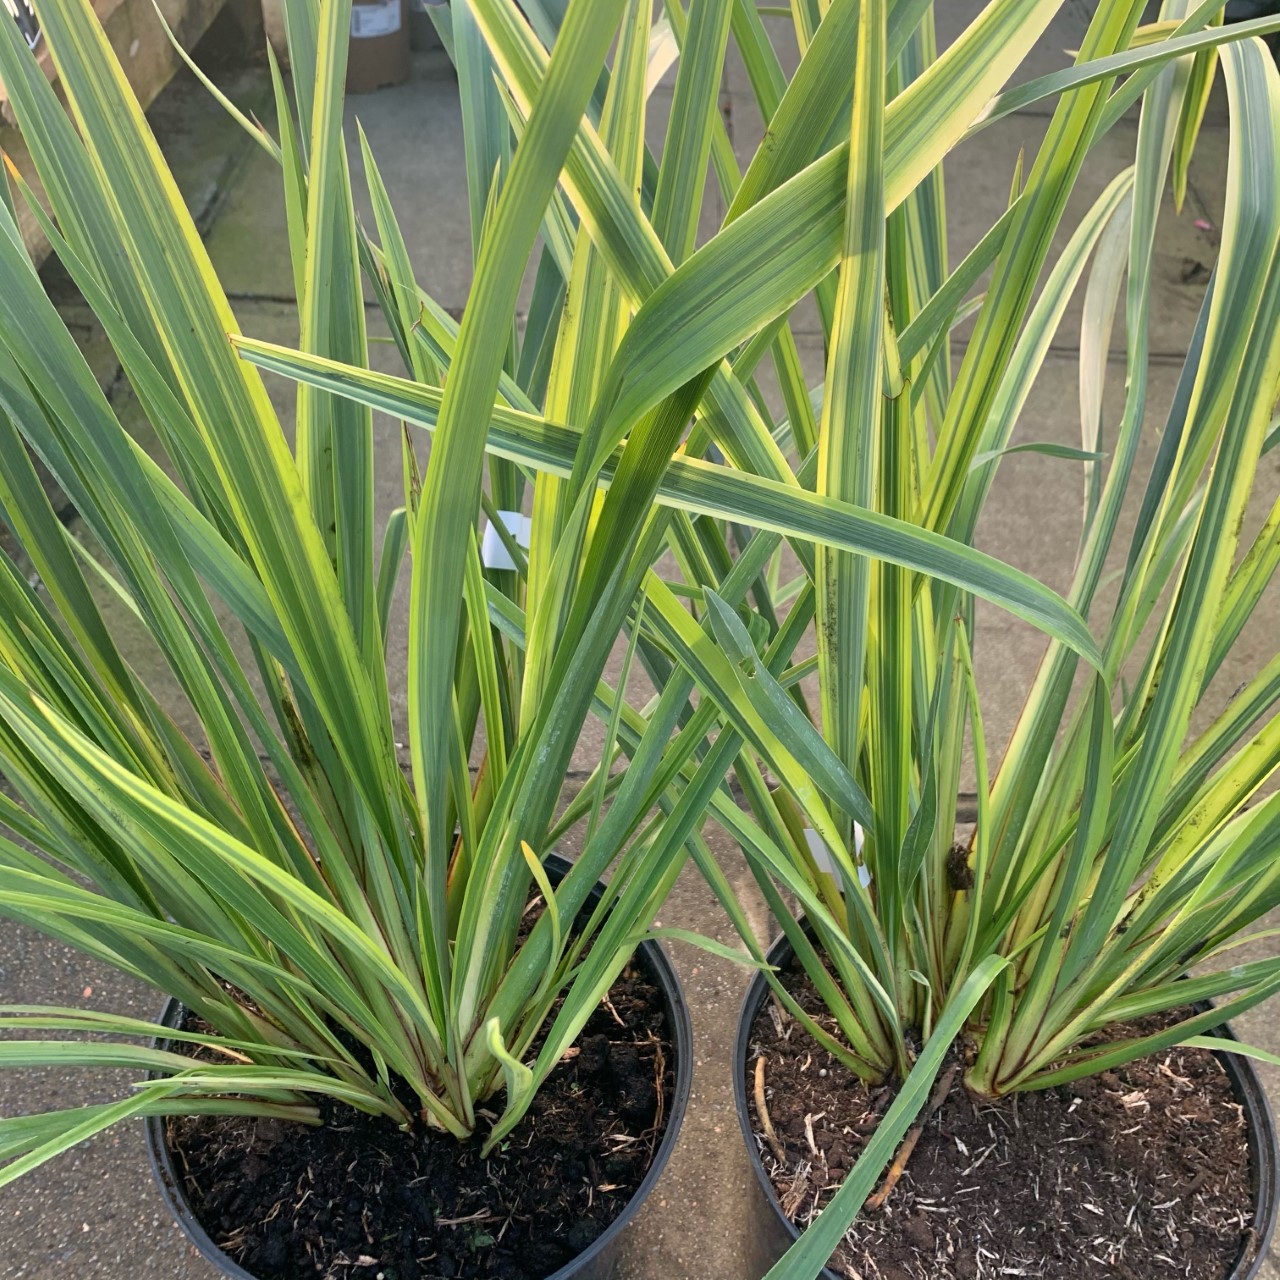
x=493 y=551
x=379 y=19
x=823 y=860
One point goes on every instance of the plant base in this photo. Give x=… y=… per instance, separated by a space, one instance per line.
x=265 y=1200
x=1169 y=1158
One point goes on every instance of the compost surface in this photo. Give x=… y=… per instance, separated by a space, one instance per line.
x=1141 y=1173
x=358 y=1197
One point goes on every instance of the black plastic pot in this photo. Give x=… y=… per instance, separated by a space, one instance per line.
x=600 y=1260
x=774 y=1233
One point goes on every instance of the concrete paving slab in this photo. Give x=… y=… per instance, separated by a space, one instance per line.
x=657 y=122
x=415 y=134
x=94 y=1212
x=977 y=176
x=1032 y=520
x=249 y=242
x=977 y=179
x=1050 y=53
x=809 y=345
x=202 y=144
x=695 y=1224
x=782 y=35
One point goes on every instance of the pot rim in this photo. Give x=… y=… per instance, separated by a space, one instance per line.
x=649 y=954
x=1264 y=1144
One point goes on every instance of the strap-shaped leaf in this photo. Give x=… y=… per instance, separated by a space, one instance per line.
x=705 y=488
x=450 y=493
x=806 y=1258
x=853 y=403
x=775 y=708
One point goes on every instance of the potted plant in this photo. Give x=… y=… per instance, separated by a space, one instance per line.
x=388 y=998
x=1125 y=848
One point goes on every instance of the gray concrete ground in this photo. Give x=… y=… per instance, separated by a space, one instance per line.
x=94 y=1213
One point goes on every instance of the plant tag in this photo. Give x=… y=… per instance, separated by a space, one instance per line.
x=823 y=860
x=381 y=18
x=493 y=551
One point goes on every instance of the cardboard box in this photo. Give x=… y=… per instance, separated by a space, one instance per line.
x=379 y=55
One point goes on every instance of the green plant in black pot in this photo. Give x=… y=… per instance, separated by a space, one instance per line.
x=1125 y=848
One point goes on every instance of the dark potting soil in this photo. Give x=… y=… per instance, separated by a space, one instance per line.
x=358 y=1197
x=1142 y=1173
